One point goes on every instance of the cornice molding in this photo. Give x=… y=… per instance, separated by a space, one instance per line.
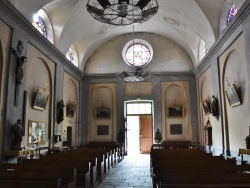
x=22 y=22
x=237 y=21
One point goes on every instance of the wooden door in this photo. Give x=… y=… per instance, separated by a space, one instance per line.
x=146 y=134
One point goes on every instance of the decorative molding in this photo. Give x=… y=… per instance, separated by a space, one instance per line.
x=22 y=22
x=239 y=18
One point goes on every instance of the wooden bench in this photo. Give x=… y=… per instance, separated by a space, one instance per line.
x=30 y=184
x=52 y=177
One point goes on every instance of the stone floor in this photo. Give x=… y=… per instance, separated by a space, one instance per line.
x=130 y=172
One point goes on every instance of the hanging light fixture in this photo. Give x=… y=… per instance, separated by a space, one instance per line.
x=122 y=12
x=136 y=55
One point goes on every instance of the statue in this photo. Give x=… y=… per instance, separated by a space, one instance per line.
x=158 y=136
x=19 y=72
x=120 y=137
x=214 y=106
x=18 y=133
x=60 y=115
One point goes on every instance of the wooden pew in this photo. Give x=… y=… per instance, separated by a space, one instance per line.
x=68 y=178
x=84 y=168
x=201 y=180
x=30 y=184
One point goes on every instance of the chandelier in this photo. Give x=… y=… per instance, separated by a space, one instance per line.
x=122 y=12
x=134 y=76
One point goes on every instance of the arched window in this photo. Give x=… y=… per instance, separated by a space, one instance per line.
x=39 y=25
x=233 y=11
x=71 y=55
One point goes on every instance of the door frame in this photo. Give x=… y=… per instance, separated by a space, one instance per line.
x=126 y=114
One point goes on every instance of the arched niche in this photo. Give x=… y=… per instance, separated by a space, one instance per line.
x=70 y=96
x=175 y=95
x=235 y=121
x=103 y=97
x=37 y=74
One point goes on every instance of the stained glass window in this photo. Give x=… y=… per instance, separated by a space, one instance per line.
x=39 y=25
x=233 y=11
x=138 y=55
x=69 y=55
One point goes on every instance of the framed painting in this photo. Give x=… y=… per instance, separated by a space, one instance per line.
x=71 y=108
x=175 y=111
x=175 y=128
x=232 y=96
x=103 y=112
x=102 y=130
x=206 y=107
x=41 y=100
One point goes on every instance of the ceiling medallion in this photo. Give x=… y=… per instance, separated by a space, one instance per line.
x=122 y=12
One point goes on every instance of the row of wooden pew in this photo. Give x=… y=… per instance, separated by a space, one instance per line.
x=85 y=167
x=195 y=168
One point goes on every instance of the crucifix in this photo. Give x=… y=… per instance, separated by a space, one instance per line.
x=20 y=60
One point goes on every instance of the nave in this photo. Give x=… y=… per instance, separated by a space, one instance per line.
x=132 y=171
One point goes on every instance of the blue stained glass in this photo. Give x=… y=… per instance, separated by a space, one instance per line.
x=233 y=11
x=39 y=25
x=69 y=55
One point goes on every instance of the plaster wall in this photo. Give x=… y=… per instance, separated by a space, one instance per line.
x=5 y=40
x=39 y=70
x=206 y=86
x=102 y=95
x=167 y=56
x=176 y=93
x=70 y=95
x=233 y=68
x=139 y=89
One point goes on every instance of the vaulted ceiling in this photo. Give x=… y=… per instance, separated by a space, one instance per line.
x=185 y=22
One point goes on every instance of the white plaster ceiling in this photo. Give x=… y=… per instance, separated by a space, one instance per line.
x=185 y=22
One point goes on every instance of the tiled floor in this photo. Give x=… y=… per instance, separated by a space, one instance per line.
x=130 y=172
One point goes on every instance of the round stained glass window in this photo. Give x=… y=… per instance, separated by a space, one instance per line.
x=138 y=55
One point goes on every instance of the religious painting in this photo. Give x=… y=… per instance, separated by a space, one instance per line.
x=71 y=108
x=175 y=111
x=206 y=107
x=232 y=96
x=103 y=112
x=41 y=100
x=175 y=128
x=102 y=130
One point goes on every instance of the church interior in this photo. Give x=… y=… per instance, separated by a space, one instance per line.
x=76 y=72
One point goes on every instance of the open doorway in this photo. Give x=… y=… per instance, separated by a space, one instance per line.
x=139 y=126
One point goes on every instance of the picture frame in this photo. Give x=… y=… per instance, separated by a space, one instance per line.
x=41 y=100
x=36 y=132
x=175 y=111
x=175 y=128
x=102 y=130
x=232 y=96
x=102 y=112
x=71 y=108
x=206 y=107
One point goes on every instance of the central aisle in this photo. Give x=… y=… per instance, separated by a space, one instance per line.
x=132 y=171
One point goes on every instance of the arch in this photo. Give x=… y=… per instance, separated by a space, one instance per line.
x=175 y=95
x=72 y=98
x=37 y=74
x=230 y=68
x=103 y=97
